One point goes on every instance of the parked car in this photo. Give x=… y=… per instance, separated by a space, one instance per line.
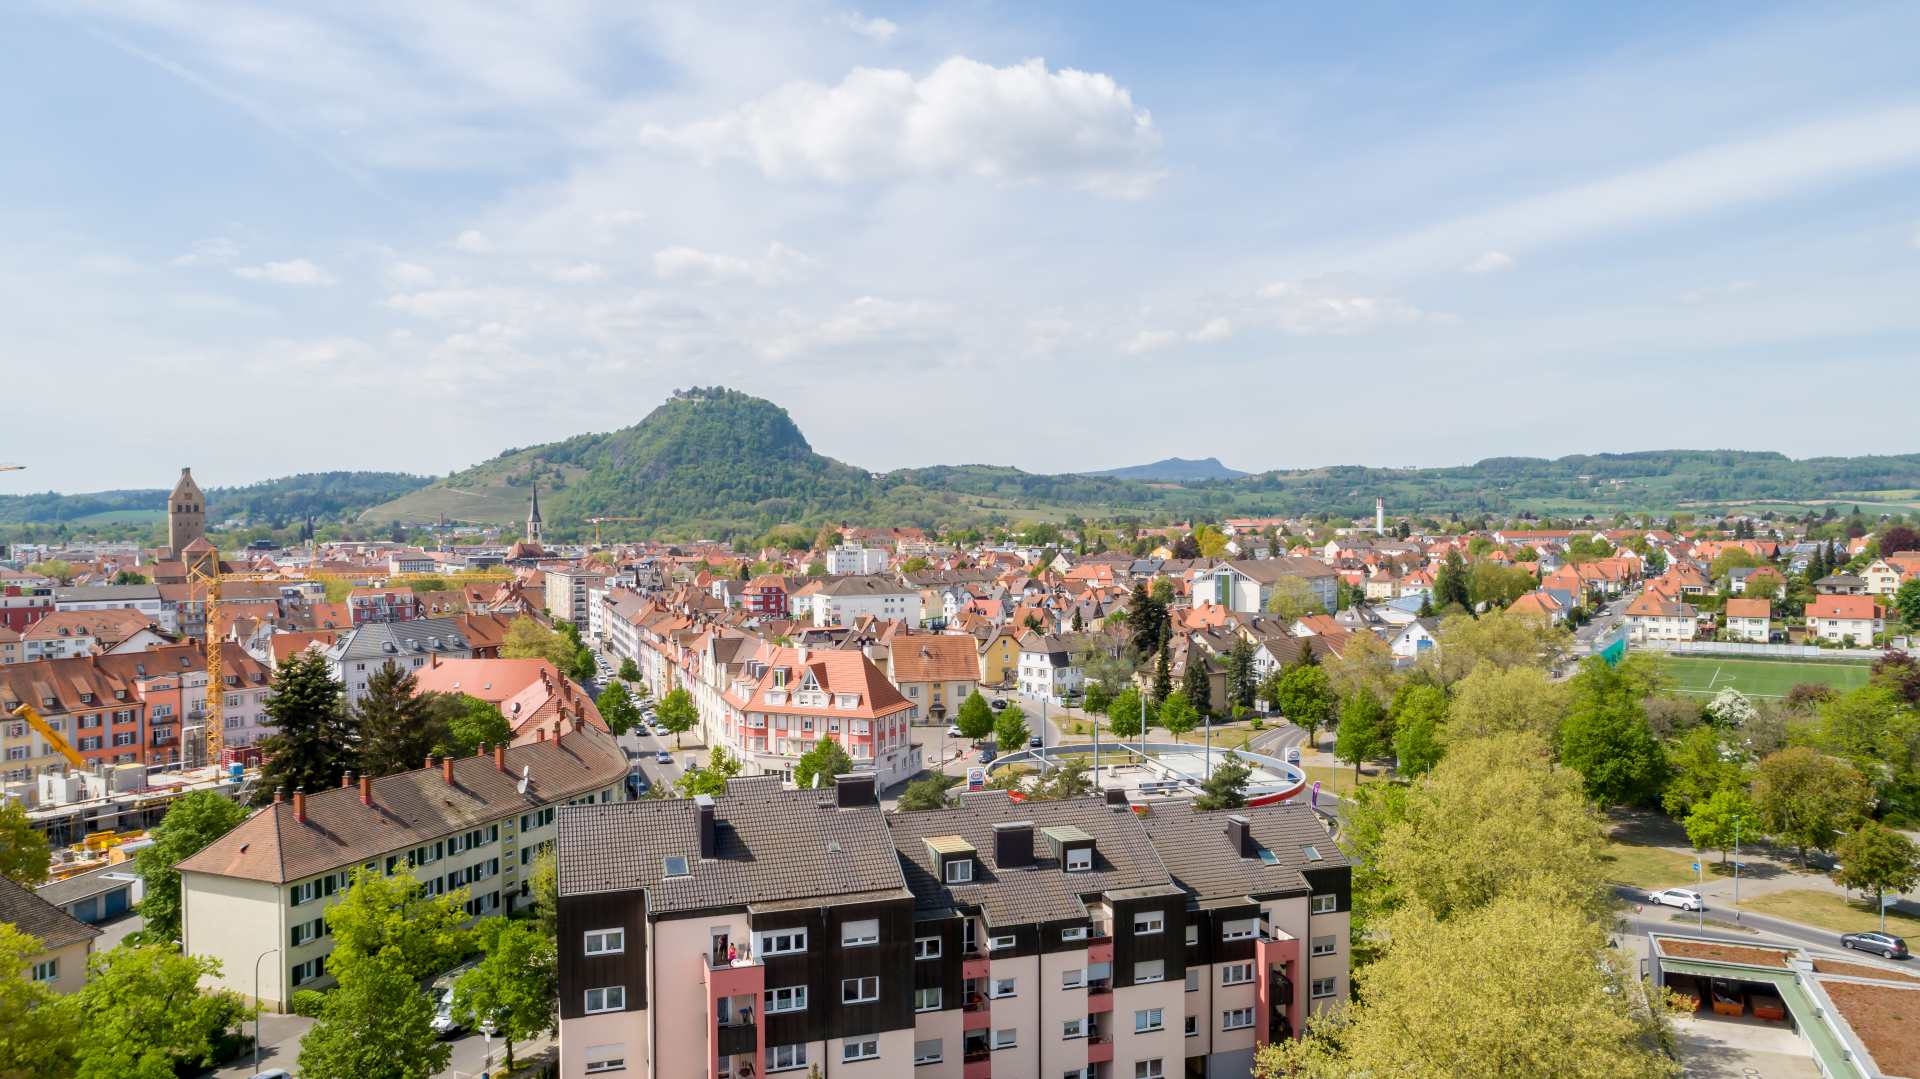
x=998 y=704
x=1677 y=897
x=1034 y=742
x=1886 y=944
x=953 y=731
x=663 y=757
x=987 y=753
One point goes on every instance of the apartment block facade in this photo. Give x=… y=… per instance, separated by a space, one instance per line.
x=772 y=931
x=470 y=824
x=568 y=595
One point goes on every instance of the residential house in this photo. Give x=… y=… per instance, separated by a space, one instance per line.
x=1246 y=585
x=144 y=598
x=1882 y=578
x=1652 y=618
x=936 y=672
x=1000 y=656
x=1749 y=620
x=1851 y=620
x=66 y=634
x=1415 y=638
x=410 y=645
x=63 y=942
x=1052 y=666
x=783 y=704
x=1841 y=584
x=530 y=693
x=842 y=601
x=371 y=605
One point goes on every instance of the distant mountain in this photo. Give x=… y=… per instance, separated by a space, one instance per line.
x=1173 y=470
x=325 y=496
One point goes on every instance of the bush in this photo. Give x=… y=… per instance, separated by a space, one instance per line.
x=1258 y=724
x=307 y=1002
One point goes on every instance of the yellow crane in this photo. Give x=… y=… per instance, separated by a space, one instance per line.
x=46 y=731
x=595 y=522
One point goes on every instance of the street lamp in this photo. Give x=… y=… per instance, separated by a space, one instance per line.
x=256 y=1005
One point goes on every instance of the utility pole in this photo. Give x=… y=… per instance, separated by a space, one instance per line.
x=1736 y=860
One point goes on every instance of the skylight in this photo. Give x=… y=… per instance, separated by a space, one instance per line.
x=676 y=865
x=1312 y=854
x=1271 y=858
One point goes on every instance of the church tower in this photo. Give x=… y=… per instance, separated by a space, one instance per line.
x=186 y=513
x=533 y=519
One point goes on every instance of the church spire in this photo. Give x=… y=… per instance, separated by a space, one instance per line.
x=533 y=517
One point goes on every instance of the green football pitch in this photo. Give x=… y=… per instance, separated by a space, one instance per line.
x=1707 y=675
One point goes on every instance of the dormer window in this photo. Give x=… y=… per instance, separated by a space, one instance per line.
x=959 y=870
x=1079 y=860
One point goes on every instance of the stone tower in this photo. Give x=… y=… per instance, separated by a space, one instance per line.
x=533 y=518
x=186 y=513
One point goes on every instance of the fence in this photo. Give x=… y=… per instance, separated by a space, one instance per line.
x=1762 y=651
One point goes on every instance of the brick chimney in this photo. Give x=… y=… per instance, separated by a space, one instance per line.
x=346 y=779
x=446 y=769
x=429 y=763
x=500 y=756
x=279 y=795
x=300 y=806
x=366 y=790
x=541 y=733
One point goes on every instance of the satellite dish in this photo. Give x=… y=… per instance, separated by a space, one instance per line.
x=526 y=777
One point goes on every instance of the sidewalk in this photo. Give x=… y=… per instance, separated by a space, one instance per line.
x=1768 y=869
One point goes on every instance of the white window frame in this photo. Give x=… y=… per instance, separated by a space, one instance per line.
x=795 y=1054
x=796 y=942
x=1006 y=1038
x=859 y=1049
x=786 y=998
x=1149 y=922
x=859 y=985
x=1332 y=987
x=919 y=1002
x=1324 y=946
x=1148 y=1020
x=1150 y=1069
x=1080 y=860
x=996 y=991
x=1002 y=942
x=610 y=941
x=1075 y=978
x=1193 y=979
x=1073 y=1028
x=1074 y=932
x=605 y=1065
x=861 y=933
x=921 y=949
x=613 y=998
x=1236 y=1019
x=1229 y=932
x=1139 y=979
x=1323 y=904
x=1236 y=973
x=939 y=1051
x=959 y=871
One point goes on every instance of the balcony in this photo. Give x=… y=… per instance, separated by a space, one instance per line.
x=1099 y=1047
x=739 y=1037
x=1099 y=998
x=976 y=1069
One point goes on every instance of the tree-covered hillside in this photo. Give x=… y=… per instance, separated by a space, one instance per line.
x=323 y=495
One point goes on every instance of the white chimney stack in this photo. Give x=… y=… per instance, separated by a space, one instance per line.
x=1380 y=516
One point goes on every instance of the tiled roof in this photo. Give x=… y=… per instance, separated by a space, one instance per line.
x=1196 y=849
x=934 y=657
x=51 y=926
x=409 y=808
x=767 y=846
x=1846 y=607
x=1749 y=608
x=861 y=586
x=1043 y=891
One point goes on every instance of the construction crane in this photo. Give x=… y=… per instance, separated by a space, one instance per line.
x=46 y=731
x=595 y=522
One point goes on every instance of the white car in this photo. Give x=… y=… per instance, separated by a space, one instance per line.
x=1677 y=897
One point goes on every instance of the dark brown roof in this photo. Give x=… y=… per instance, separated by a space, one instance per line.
x=51 y=926
x=409 y=808
x=1043 y=891
x=769 y=845
x=1195 y=846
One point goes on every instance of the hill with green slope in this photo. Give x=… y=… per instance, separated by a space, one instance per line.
x=324 y=496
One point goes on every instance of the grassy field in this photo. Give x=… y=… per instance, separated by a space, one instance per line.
x=1829 y=911
x=1705 y=676
x=1651 y=868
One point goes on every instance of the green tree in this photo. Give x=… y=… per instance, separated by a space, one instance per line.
x=1808 y=800
x=59 y=569
x=469 y=722
x=377 y=1024
x=1499 y=638
x=516 y=984
x=145 y=1016
x=1698 y=766
x=312 y=742
x=711 y=779
x=1365 y=665
x=1197 y=682
x=1129 y=714
x=1177 y=714
x=1907 y=599
x=1072 y=779
x=629 y=670
x=37 y=1034
x=677 y=713
x=127 y=576
x=1615 y=753
x=193 y=821
x=1162 y=675
x=1145 y=618
x=1719 y=820
x=821 y=763
x=1450 y=587
x=393 y=918
x=397 y=727
x=929 y=792
x=528 y=639
x=1875 y=858
x=544 y=883
x=1226 y=787
x=617 y=708
x=1498 y=700
x=975 y=718
x=24 y=854
x=1242 y=682
x=1304 y=694
x=1418 y=714
x=1010 y=729
x=1362 y=733
x=1292 y=597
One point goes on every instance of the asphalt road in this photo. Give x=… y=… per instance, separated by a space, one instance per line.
x=1649 y=918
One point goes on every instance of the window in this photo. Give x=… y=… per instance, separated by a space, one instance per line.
x=1002 y=942
x=1193 y=1026
x=926 y=1000
x=307 y=931
x=1073 y=1028
x=789 y=998
x=1236 y=973
x=1323 y=987
x=606 y=942
x=926 y=947
x=1073 y=979
x=1236 y=1019
x=1193 y=979
x=46 y=970
x=1149 y=970
x=859 y=934
x=605 y=1058
x=309 y=970
x=786 y=1057
x=1003 y=987
x=1006 y=1038
x=784 y=942
x=1325 y=945
x=610 y=998
x=1240 y=929
x=959 y=871
x=1077 y=932
x=1080 y=859
x=1149 y=922
x=1193 y=934
x=859 y=990
x=1149 y=1069
x=1323 y=904
x=860 y=1049
x=1148 y=1019
x=928 y=1052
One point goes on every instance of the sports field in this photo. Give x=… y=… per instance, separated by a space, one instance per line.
x=1705 y=676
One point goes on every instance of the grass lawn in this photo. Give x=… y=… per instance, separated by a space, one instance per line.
x=1829 y=911
x=1651 y=868
x=1338 y=779
x=1704 y=676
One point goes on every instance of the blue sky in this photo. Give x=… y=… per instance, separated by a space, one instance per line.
x=263 y=240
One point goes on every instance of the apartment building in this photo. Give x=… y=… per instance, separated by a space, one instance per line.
x=21 y=605
x=567 y=594
x=775 y=931
x=842 y=601
x=475 y=823
x=1653 y=618
x=384 y=605
x=144 y=598
x=1853 y=620
x=1749 y=620
x=410 y=645
x=66 y=634
x=784 y=701
x=853 y=560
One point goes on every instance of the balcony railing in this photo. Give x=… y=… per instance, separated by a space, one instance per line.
x=974 y=1003
x=974 y=1056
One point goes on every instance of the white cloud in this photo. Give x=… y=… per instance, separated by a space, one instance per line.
x=876 y=29
x=1490 y=262
x=290 y=272
x=473 y=242
x=866 y=322
x=966 y=118
x=410 y=274
x=1150 y=341
x=213 y=251
x=578 y=273
x=781 y=263
x=1320 y=306
x=1218 y=329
